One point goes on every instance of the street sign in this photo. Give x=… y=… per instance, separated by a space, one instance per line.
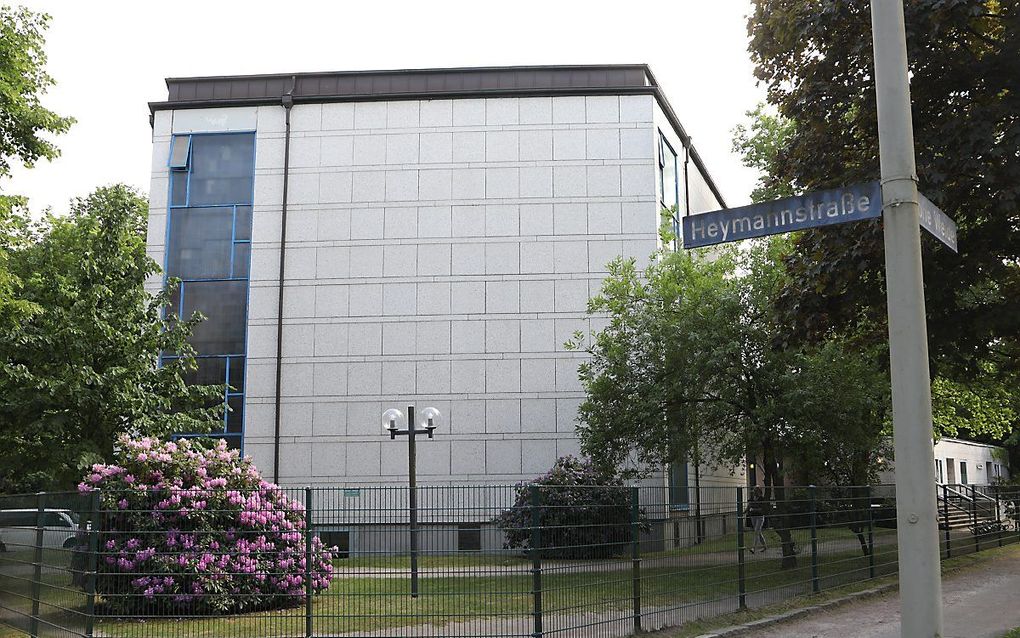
x=821 y=208
x=937 y=223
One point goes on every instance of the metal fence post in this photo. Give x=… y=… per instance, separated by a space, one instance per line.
x=308 y=562
x=536 y=560
x=635 y=553
x=93 y=566
x=974 y=518
x=741 y=580
x=37 y=562
x=945 y=521
x=815 y=584
x=998 y=515
x=871 y=537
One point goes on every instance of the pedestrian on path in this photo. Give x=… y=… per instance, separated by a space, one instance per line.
x=756 y=509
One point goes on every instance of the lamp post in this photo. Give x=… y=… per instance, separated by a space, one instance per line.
x=391 y=422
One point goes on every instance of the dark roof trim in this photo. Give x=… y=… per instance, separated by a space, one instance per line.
x=418 y=84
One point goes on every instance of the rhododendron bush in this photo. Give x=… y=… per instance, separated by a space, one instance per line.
x=189 y=529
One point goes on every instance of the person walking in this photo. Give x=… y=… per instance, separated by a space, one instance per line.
x=756 y=510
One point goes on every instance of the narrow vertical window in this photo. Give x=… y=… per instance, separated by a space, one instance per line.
x=679 y=496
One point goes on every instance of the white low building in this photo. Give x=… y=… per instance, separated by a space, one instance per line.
x=960 y=462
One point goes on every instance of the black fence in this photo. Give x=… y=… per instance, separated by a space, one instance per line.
x=494 y=561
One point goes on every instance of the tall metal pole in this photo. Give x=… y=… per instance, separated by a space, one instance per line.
x=413 y=499
x=917 y=525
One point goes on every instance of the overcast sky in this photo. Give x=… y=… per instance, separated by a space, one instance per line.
x=110 y=58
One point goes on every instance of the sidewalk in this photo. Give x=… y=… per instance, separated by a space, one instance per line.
x=979 y=602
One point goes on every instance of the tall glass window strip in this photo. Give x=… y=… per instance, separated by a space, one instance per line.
x=209 y=250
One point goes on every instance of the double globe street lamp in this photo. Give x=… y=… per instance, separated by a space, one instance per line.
x=393 y=419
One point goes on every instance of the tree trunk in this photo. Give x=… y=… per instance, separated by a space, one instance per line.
x=781 y=517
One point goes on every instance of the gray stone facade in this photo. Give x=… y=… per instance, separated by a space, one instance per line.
x=439 y=253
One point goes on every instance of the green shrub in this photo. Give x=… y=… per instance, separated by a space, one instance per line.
x=584 y=512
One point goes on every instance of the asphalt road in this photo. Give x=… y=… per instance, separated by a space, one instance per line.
x=979 y=602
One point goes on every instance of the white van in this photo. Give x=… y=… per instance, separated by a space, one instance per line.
x=18 y=529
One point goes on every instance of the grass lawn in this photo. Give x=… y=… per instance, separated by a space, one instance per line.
x=363 y=603
x=502 y=595
x=802 y=537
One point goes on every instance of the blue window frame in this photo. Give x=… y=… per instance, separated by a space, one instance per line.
x=209 y=251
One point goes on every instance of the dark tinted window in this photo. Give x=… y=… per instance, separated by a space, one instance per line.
x=339 y=539
x=223 y=305
x=221 y=169
x=242 y=257
x=236 y=415
x=237 y=374
x=243 y=223
x=211 y=371
x=200 y=241
x=469 y=538
x=178 y=188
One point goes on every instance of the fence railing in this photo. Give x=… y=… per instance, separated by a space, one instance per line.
x=492 y=560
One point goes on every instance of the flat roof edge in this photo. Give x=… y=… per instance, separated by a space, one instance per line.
x=430 y=70
x=426 y=84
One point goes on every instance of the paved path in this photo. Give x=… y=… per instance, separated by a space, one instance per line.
x=979 y=602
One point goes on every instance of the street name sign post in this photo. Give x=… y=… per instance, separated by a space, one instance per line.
x=904 y=211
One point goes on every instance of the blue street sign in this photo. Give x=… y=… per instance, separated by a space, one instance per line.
x=938 y=223
x=821 y=208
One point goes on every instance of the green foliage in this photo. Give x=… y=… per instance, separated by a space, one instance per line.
x=984 y=408
x=83 y=366
x=816 y=60
x=585 y=512
x=690 y=363
x=23 y=79
x=762 y=147
x=13 y=309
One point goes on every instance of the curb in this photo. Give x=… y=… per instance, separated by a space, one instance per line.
x=737 y=630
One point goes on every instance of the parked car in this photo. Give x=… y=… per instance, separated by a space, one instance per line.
x=19 y=529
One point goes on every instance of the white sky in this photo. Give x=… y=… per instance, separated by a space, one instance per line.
x=110 y=58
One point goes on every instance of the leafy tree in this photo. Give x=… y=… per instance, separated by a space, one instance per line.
x=23 y=121
x=762 y=146
x=13 y=309
x=83 y=367
x=984 y=408
x=23 y=79
x=817 y=63
x=690 y=360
